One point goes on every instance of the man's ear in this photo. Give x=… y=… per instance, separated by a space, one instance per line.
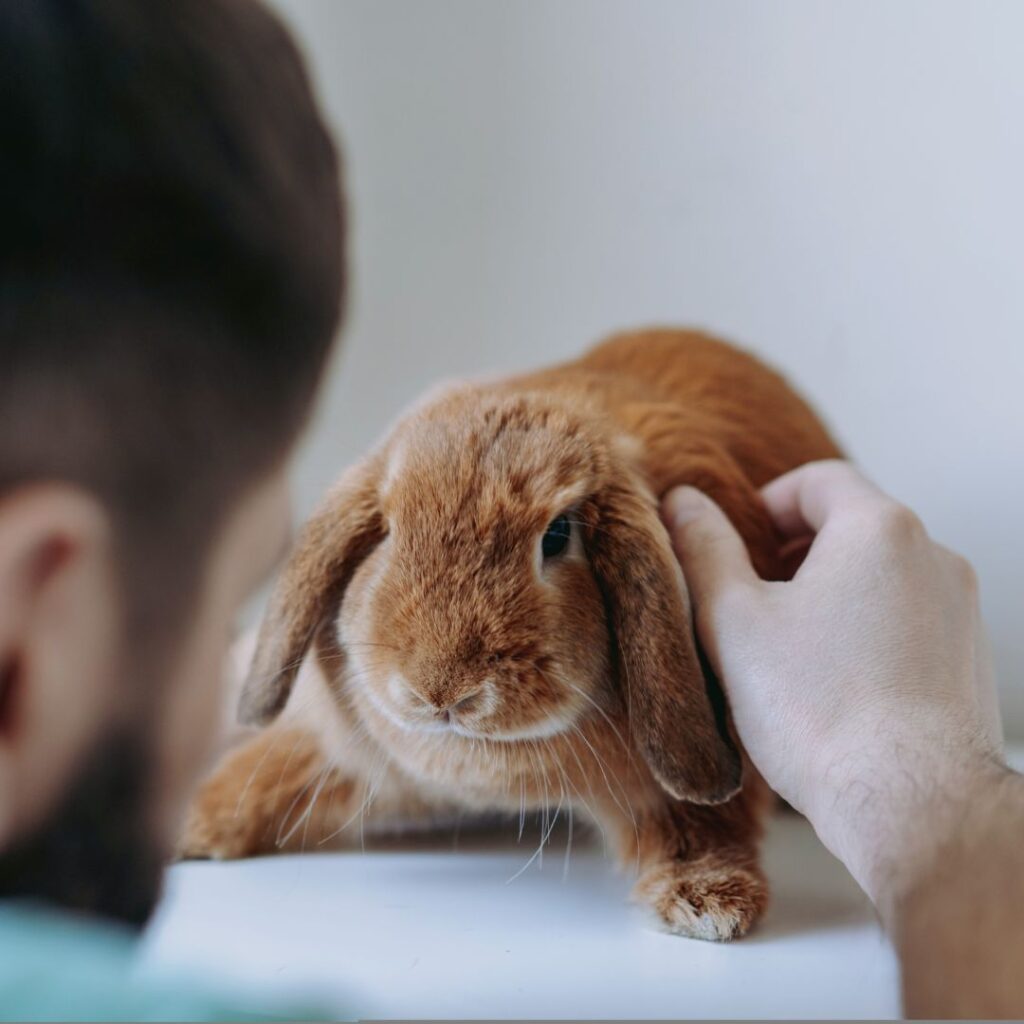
x=58 y=623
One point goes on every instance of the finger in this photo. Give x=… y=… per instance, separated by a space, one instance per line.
x=801 y=501
x=709 y=549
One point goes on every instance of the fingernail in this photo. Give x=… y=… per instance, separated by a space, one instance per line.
x=683 y=504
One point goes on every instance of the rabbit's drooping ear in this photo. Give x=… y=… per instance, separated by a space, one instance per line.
x=346 y=527
x=672 y=720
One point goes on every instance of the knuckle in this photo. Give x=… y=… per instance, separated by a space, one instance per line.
x=898 y=524
x=839 y=468
x=832 y=471
x=966 y=574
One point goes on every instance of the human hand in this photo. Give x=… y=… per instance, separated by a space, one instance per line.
x=862 y=689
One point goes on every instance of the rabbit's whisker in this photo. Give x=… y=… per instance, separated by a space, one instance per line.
x=280 y=778
x=597 y=707
x=584 y=774
x=303 y=819
x=628 y=808
x=283 y=820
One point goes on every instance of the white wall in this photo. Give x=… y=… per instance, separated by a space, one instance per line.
x=838 y=185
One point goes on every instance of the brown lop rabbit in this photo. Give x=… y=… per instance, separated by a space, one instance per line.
x=497 y=621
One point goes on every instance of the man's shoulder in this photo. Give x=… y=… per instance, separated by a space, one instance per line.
x=57 y=966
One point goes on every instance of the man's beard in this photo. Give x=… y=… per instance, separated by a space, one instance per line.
x=94 y=853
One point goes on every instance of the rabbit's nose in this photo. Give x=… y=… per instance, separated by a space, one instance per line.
x=462 y=702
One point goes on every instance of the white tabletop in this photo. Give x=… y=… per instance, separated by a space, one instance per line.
x=432 y=931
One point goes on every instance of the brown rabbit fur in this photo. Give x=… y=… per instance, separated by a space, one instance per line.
x=457 y=668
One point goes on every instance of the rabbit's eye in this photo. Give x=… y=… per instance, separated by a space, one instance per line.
x=556 y=537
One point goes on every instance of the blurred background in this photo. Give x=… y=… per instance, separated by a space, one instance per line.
x=838 y=186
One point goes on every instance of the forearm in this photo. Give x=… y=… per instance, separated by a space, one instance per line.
x=959 y=928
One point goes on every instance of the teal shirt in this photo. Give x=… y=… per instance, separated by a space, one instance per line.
x=57 y=967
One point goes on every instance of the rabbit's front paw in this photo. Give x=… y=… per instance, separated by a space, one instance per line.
x=216 y=829
x=706 y=898
x=268 y=795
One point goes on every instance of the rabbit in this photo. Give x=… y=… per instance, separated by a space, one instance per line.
x=485 y=615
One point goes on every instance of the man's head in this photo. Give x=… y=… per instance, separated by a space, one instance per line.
x=171 y=278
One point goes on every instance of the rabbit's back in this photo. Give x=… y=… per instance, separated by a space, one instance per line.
x=723 y=392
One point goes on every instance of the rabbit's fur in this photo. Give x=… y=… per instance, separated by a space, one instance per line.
x=452 y=667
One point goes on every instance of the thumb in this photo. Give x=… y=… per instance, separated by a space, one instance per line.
x=710 y=551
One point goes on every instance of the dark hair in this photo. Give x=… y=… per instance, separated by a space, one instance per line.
x=171 y=264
